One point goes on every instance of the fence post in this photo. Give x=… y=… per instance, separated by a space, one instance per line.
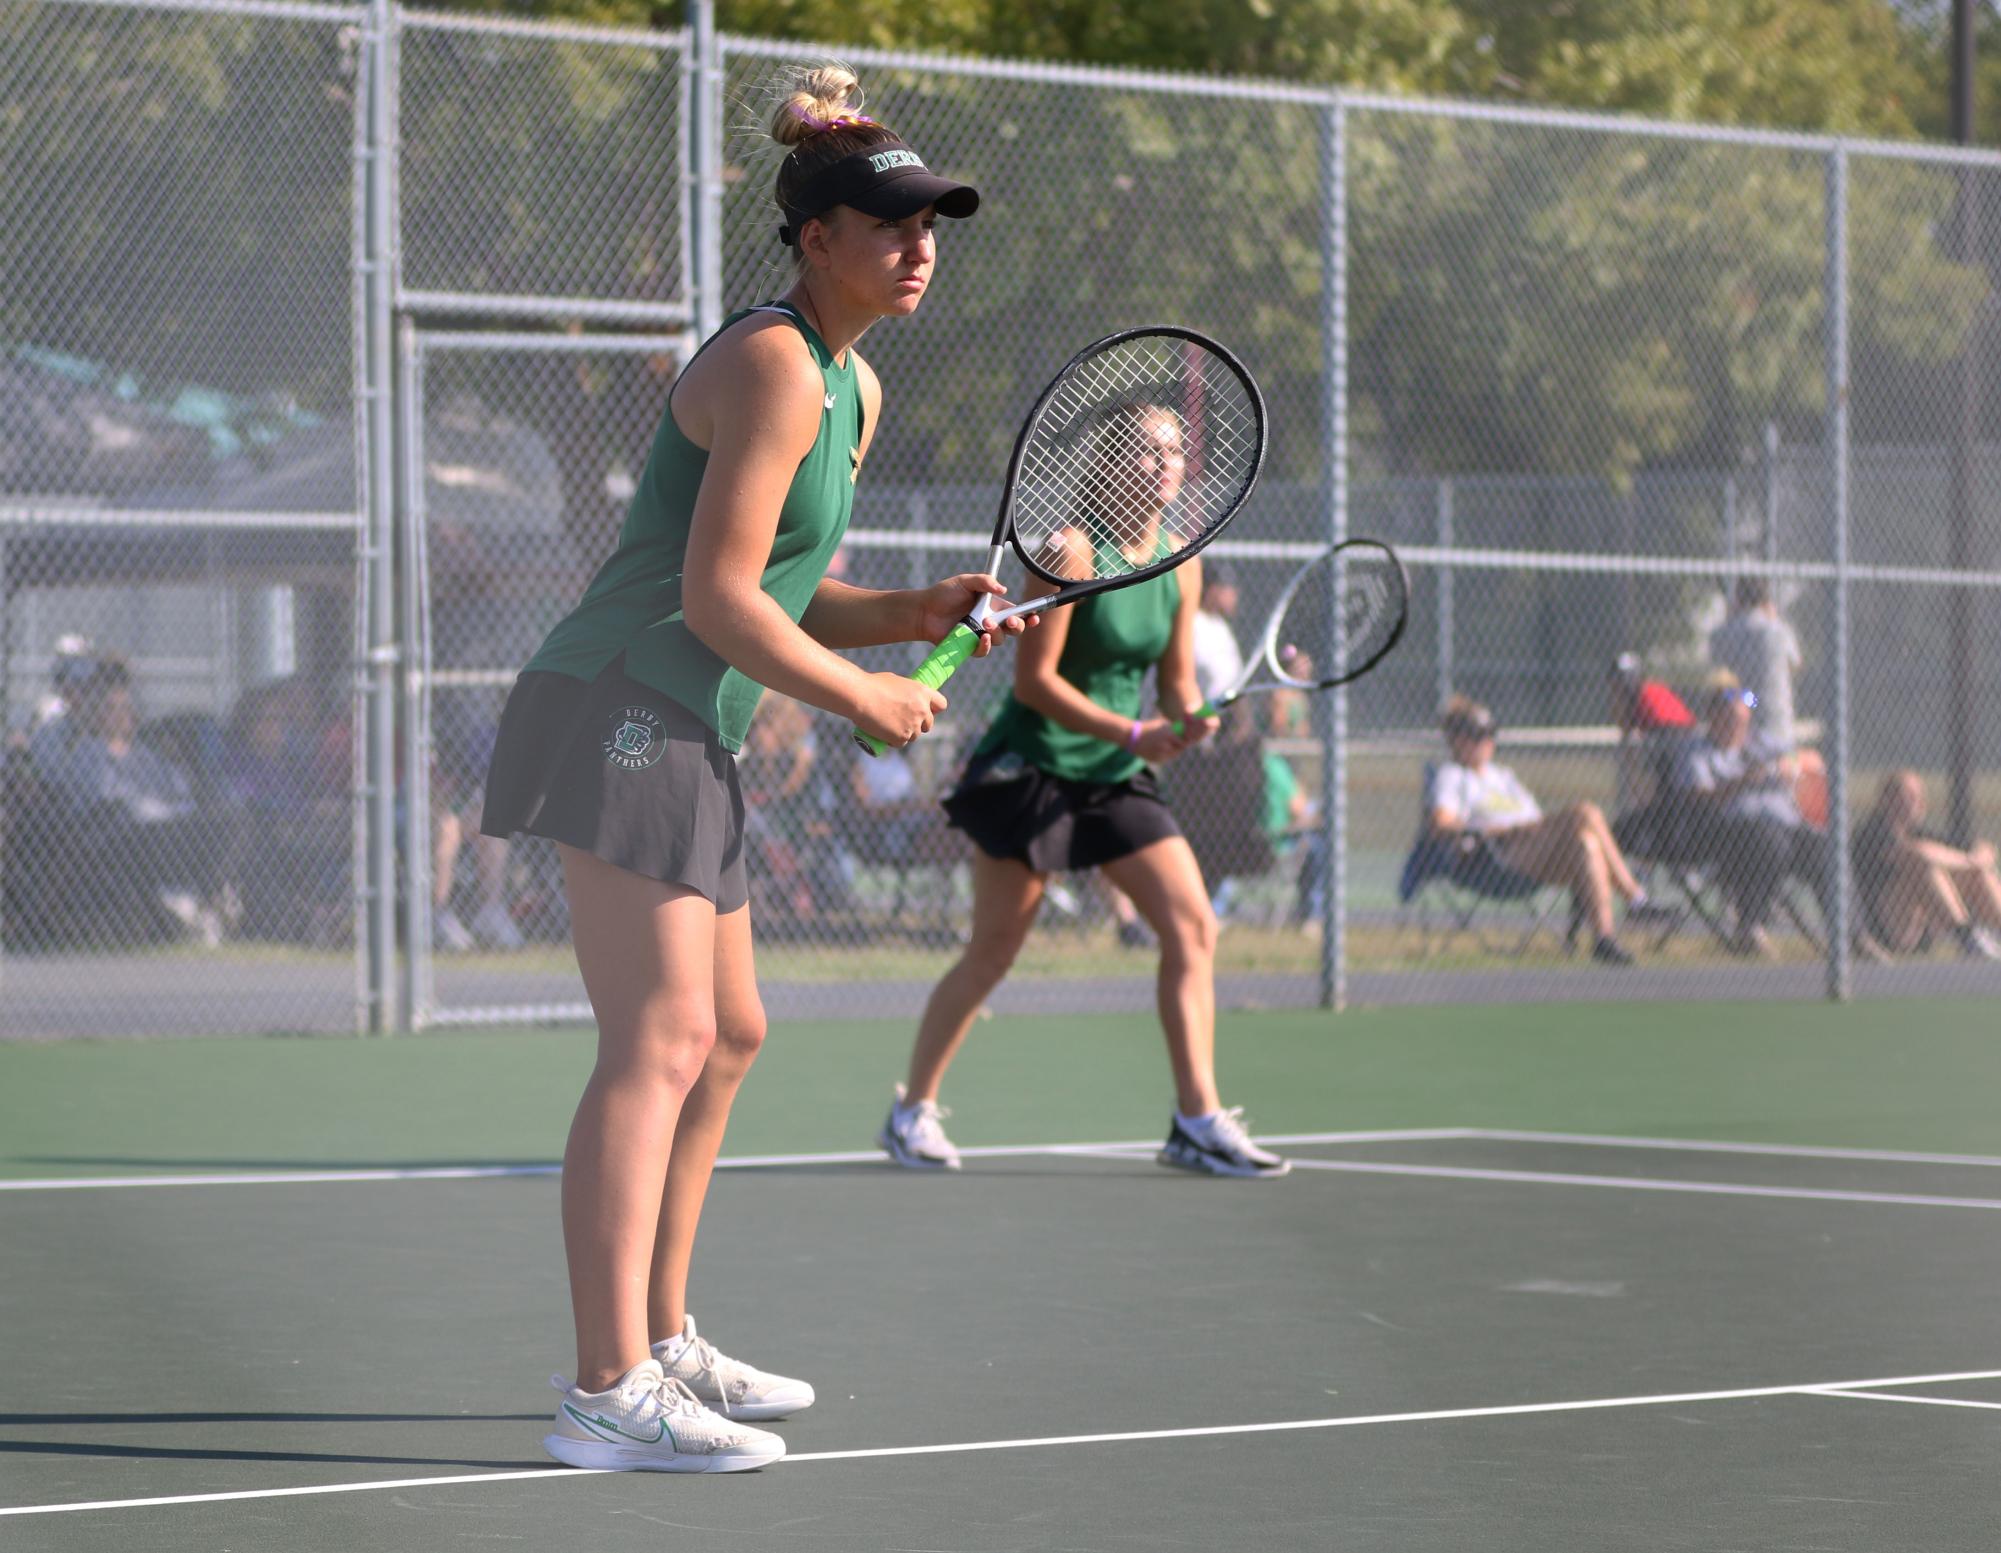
x=378 y=440
x=413 y=985
x=1334 y=346
x=1839 y=966
x=705 y=176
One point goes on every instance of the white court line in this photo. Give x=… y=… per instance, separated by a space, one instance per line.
x=737 y=1162
x=1644 y=1184
x=1892 y=1396
x=1437 y=1415
x=1708 y=1146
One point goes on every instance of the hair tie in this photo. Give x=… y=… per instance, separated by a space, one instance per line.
x=819 y=126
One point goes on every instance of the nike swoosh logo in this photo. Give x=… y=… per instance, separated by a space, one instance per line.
x=830 y=401
x=599 y=1423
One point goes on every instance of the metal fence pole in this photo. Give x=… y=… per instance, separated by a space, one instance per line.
x=705 y=176
x=1839 y=967
x=1334 y=345
x=415 y=680
x=379 y=500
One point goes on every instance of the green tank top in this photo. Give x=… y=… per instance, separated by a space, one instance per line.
x=633 y=605
x=1114 y=638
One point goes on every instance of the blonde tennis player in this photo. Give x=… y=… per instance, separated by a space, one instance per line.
x=618 y=744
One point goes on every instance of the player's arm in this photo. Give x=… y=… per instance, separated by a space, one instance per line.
x=842 y=615
x=766 y=400
x=1040 y=686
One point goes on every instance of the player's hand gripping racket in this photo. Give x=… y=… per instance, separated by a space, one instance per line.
x=1337 y=619
x=1132 y=460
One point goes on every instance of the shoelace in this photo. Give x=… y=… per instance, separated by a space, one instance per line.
x=1228 y=1128
x=675 y=1397
x=710 y=1363
x=929 y=1126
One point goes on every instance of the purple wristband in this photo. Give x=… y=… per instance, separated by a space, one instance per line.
x=1132 y=738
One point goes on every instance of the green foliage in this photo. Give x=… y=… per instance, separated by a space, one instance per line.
x=1522 y=299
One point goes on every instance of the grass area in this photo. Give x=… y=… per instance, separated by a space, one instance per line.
x=1873 y=1075
x=1246 y=949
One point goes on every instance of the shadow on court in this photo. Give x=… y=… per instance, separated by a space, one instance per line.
x=51 y=1420
x=166 y=1453
x=237 y=1164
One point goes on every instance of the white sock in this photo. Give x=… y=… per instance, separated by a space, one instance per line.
x=669 y=1349
x=1199 y=1125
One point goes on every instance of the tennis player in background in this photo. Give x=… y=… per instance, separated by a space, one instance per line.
x=1064 y=779
x=618 y=743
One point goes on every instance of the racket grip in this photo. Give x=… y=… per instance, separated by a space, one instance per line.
x=1206 y=709
x=960 y=643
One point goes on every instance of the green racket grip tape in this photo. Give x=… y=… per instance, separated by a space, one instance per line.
x=1206 y=709
x=938 y=666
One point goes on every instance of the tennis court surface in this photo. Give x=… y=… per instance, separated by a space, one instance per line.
x=1577 y=1278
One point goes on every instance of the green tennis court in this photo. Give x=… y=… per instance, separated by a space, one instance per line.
x=1577 y=1277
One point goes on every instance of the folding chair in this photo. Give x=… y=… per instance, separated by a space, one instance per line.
x=1662 y=837
x=1657 y=839
x=1447 y=886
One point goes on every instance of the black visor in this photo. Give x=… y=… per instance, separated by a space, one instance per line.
x=887 y=180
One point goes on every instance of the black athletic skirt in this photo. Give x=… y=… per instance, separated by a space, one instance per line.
x=1013 y=810
x=623 y=772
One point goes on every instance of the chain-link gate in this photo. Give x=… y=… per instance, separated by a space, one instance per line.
x=524 y=449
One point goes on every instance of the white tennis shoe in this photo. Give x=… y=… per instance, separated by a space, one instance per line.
x=914 y=1135
x=733 y=1388
x=1219 y=1145
x=651 y=1423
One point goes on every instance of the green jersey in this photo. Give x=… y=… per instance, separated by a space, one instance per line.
x=1114 y=638
x=633 y=605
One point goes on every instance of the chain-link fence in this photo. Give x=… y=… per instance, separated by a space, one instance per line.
x=1654 y=412
x=179 y=518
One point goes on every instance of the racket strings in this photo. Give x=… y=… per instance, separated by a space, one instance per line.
x=1340 y=617
x=1144 y=448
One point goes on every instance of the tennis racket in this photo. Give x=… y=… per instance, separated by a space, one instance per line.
x=1339 y=616
x=1132 y=459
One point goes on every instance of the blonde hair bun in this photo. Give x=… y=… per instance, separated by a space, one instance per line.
x=813 y=98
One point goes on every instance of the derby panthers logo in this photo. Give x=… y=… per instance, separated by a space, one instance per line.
x=635 y=741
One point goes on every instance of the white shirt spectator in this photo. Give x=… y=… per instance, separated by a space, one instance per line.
x=1761 y=650
x=1218 y=658
x=1484 y=801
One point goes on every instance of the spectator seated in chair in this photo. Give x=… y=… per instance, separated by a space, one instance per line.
x=890 y=824
x=1494 y=828
x=1911 y=884
x=1742 y=817
x=1652 y=722
x=152 y=856
x=292 y=837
